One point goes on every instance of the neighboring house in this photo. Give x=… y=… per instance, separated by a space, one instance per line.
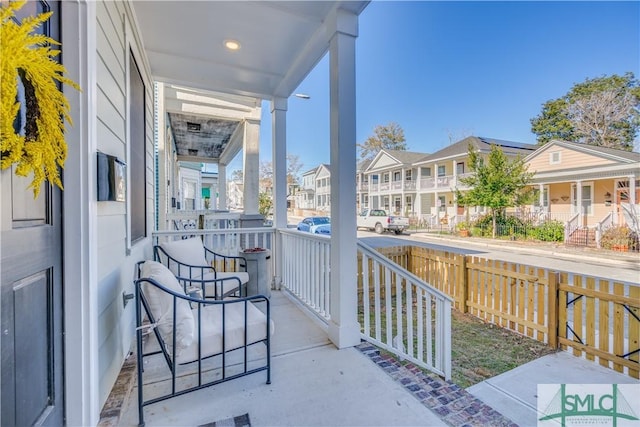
x=235 y=194
x=323 y=188
x=584 y=183
x=209 y=180
x=362 y=185
x=440 y=173
x=306 y=194
x=190 y=192
x=392 y=178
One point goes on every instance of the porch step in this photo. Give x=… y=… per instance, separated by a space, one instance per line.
x=584 y=236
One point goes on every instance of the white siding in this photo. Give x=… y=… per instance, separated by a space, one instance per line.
x=115 y=266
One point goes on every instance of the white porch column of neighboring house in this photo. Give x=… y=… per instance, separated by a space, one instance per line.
x=344 y=330
x=632 y=190
x=279 y=159
x=579 y=200
x=418 y=201
x=80 y=259
x=222 y=186
x=541 y=196
x=455 y=183
x=251 y=165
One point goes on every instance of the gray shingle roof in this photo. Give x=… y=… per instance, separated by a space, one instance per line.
x=407 y=157
x=482 y=144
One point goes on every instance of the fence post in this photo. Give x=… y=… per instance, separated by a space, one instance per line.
x=463 y=285
x=552 y=309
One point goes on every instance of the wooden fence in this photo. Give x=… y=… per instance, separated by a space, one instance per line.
x=592 y=317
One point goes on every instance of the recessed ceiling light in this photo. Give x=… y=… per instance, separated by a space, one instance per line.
x=232 y=44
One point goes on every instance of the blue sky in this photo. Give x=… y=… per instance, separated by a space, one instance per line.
x=446 y=70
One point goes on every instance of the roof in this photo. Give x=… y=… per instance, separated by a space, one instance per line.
x=482 y=144
x=614 y=153
x=407 y=157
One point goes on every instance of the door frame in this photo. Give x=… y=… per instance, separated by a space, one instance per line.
x=79 y=231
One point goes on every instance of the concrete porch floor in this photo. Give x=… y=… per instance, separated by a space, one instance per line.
x=313 y=384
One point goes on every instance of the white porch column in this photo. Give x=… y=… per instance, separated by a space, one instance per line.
x=251 y=165
x=222 y=186
x=80 y=259
x=632 y=190
x=344 y=330
x=541 y=196
x=279 y=165
x=579 y=200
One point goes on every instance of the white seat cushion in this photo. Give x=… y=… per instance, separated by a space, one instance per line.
x=161 y=305
x=211 y=334
x=187 y=251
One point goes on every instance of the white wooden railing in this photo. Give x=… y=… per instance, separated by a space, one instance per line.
x=306 y=258
x=602 y=225
x=225 y=241
x=402 y=314
x=189 y=219
x=570 y=226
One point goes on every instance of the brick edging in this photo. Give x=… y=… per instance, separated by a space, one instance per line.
x=454 y=405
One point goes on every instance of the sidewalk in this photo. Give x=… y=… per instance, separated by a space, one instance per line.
x=514 y=393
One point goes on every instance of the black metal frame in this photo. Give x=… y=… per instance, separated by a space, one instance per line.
x=193 y=273
x=170 y=357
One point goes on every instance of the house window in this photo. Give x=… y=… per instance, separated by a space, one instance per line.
x=374 y=179
x=555 y=157
x=407 y=175
x=441 y=170
x=586 y=206
x=545 y=197
x=138 y=158
x=460 y=168
x=442 y=204
x=425 y=171
x=385 y=178
x=408 y=204
x=397 y=176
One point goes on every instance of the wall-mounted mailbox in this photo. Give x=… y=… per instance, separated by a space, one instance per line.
x=111 y=178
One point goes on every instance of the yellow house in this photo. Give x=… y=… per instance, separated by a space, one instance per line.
x=584 y=185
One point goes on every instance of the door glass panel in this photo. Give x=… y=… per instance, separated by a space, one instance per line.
x=27 y=211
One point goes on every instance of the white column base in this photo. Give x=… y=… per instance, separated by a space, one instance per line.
x=344 y=336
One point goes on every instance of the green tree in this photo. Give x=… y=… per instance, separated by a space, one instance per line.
x=265 y=203
x=497 y=184
x=603 y=111
x=390 y=136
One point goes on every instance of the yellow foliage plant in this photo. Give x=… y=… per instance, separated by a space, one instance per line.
x=28 y=57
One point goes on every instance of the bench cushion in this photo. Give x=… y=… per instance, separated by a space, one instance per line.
x=187 y=251
x=161 y=305
x=211 y=333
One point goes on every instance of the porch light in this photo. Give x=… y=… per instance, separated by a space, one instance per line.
x=302 y=96
x=232 y=44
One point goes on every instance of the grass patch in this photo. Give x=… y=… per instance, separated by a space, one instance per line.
x=482 y=350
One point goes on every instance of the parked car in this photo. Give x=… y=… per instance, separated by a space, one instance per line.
x=379 y=221
x=316 y=225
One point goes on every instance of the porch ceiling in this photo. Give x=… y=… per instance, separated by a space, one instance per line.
x=280 y=42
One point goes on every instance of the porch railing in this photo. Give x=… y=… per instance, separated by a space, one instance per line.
x=225 y=241
x=305 y=264
x=602 y=225
x=402 y=314
x=397 y=311
x=571 y=225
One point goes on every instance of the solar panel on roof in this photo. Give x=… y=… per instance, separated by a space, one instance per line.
x=509 y=144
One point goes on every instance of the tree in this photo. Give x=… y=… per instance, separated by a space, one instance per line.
x=603 y=111
x=390 y=136
x=293 y=169
x=237 y=175
x=265 y=203
x=498 y=184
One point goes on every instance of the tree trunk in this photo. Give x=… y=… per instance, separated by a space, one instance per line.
x=493 y=217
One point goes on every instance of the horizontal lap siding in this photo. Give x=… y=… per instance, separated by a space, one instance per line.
x=116 y=267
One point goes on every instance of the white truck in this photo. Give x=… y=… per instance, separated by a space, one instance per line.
x=379 y=221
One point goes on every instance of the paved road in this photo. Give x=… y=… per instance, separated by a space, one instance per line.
x=625 y=269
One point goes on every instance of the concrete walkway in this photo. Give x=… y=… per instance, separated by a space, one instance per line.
x=514 y=393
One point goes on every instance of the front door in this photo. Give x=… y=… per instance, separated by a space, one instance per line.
x=31 y=290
